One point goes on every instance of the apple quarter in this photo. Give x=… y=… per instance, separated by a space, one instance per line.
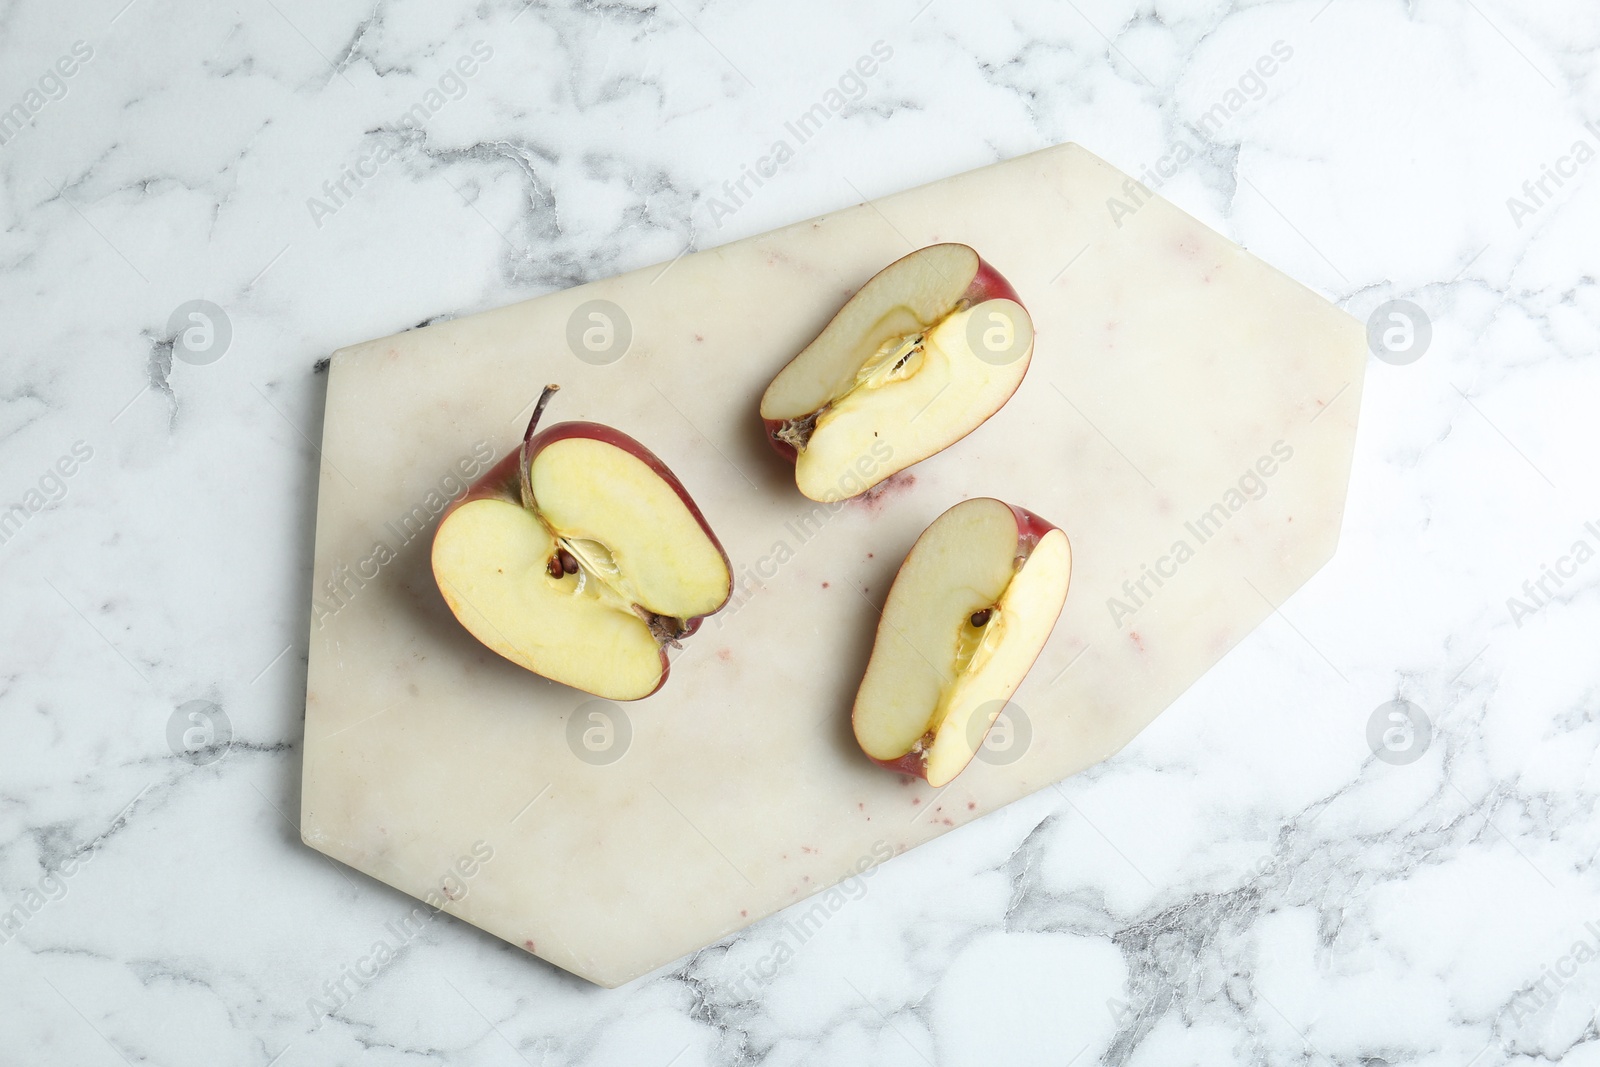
x=970 y=610
x=923 y=354
x=1167 y=364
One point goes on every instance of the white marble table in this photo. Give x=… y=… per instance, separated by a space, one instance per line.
x=1247 y=882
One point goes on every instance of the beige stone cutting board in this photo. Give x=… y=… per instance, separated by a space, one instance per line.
x=1172 y=371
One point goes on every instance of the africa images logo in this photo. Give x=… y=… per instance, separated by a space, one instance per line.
x=344 y=581
x=1540 y=591
x=1251 y=485
x=1536 y=192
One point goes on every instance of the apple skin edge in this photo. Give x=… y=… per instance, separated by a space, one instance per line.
x=503 y=481
x=770 y=428
x=986 y=284
x=913 y=764
x=1030 y=528
x=500 y=483
x=989 y=284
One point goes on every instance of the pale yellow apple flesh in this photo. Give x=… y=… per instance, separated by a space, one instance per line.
x=629 y=527
x=639 y=550
x=904 y=298
x=932 y=670
x=909 y=409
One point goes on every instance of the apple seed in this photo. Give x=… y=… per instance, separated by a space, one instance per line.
x=980 y=618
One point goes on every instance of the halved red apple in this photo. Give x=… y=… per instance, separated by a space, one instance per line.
x=970 y=610
x=918 y=358
x=581 y=557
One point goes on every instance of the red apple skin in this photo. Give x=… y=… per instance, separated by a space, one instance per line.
x=912 y=764
x=782 y=448
x=986 y=284
x=989 y=284
x=503 y=481
x=500 y=483
x=1030 y=528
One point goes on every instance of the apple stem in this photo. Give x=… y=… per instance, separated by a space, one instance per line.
x=523 y=458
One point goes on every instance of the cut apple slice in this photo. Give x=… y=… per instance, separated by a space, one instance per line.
x=970 y=610
x=581 y=558
x=918 y=358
